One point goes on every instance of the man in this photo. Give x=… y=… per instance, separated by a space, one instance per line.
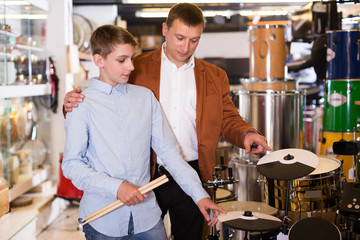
x=194 y=95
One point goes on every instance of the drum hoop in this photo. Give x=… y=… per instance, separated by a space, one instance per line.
x=272 y=92
x=343 y=80
x=268 y=26
x=267 y=80
x=350 y=30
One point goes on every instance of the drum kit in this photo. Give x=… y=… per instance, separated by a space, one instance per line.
x=297 y=169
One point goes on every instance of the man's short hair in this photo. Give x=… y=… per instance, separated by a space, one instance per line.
x=187 y=12
x=106 y=37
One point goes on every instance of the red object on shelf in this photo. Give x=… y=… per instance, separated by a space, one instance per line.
x=65 y=187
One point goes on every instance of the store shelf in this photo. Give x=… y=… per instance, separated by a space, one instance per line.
x=24 y=90
x=27 y=182
x=28 y=221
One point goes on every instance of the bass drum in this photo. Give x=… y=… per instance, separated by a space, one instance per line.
x=343 y=48
x=317 y=191
x=326 y=148
x=314 y=229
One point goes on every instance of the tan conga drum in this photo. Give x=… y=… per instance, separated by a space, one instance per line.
x=267 y=51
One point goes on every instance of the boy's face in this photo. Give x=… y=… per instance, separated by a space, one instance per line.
x=181 y=41
x=117 y=66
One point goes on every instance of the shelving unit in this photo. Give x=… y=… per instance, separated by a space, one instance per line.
x=24 y=79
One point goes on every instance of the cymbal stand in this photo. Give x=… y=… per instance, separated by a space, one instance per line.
x=218 y=182
x=286 y=217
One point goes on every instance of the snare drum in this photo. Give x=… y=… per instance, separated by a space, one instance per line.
x=314 y=229
x=224 y=195
x=316 y=191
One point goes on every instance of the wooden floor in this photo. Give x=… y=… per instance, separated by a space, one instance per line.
x=64 y=227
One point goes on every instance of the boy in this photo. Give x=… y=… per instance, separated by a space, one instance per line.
x=107 y=150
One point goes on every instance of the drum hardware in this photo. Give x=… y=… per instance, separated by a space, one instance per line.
x=349 y=148
x=215 y=184
x=350 y=207
x=287 y=164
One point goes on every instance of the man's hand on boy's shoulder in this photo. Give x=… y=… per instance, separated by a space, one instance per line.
x=129 y=194
x=72 y=99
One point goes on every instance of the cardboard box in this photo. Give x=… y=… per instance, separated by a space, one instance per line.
x=4 y=200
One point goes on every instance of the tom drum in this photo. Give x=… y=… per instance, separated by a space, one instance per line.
x=317 y=191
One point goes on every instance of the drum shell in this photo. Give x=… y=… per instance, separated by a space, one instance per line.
x=248 y=187
x=342 y=105
x=65 y=188
x=267 y=51
x=343 y=48
x=263 y=84
x=309 y=193
x=326 y=148
x=276 y=114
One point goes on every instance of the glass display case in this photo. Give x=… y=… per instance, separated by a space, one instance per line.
x=25 y=92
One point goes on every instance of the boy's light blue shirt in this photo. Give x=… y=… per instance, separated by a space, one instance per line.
x=108 y=140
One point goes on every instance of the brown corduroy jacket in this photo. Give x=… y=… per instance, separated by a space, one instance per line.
x=216 y=114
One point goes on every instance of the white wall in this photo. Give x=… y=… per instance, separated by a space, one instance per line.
x=98 y=15
x=224 y=44
x=59 y=35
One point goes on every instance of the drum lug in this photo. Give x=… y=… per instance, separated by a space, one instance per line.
x=261 y=180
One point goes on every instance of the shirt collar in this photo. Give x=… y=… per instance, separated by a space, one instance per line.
x=107 y=88
x=189 y=64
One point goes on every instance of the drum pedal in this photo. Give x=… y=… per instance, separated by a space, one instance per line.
x=351 y=200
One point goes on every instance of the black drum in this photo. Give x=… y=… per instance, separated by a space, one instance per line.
x=314 y=229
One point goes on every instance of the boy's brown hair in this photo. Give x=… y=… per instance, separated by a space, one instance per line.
x=106 y=37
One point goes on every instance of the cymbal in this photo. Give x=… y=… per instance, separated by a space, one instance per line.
x=287 y=164
x=250 y=221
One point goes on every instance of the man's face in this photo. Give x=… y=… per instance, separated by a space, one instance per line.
x=181 y=41
x=117 y=66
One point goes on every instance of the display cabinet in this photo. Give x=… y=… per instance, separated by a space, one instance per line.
x=25 y=95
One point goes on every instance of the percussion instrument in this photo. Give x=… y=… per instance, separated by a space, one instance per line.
x=224 y=195
x=326 y=148
x=342 y=105
x=316 y=191
x=248 y=187
x=262 y=84
x=287 y=164
x=314 y=229
x=276 y=114
x=343 y=49
x=252 y=206
x=257 y=224
x=65 y=188
x=267 y=51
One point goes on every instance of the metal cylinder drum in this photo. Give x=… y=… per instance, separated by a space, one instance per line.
x=276 y=114
x=342 y=105
x=248 y=188
x=267 y=51
x=343 y=54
